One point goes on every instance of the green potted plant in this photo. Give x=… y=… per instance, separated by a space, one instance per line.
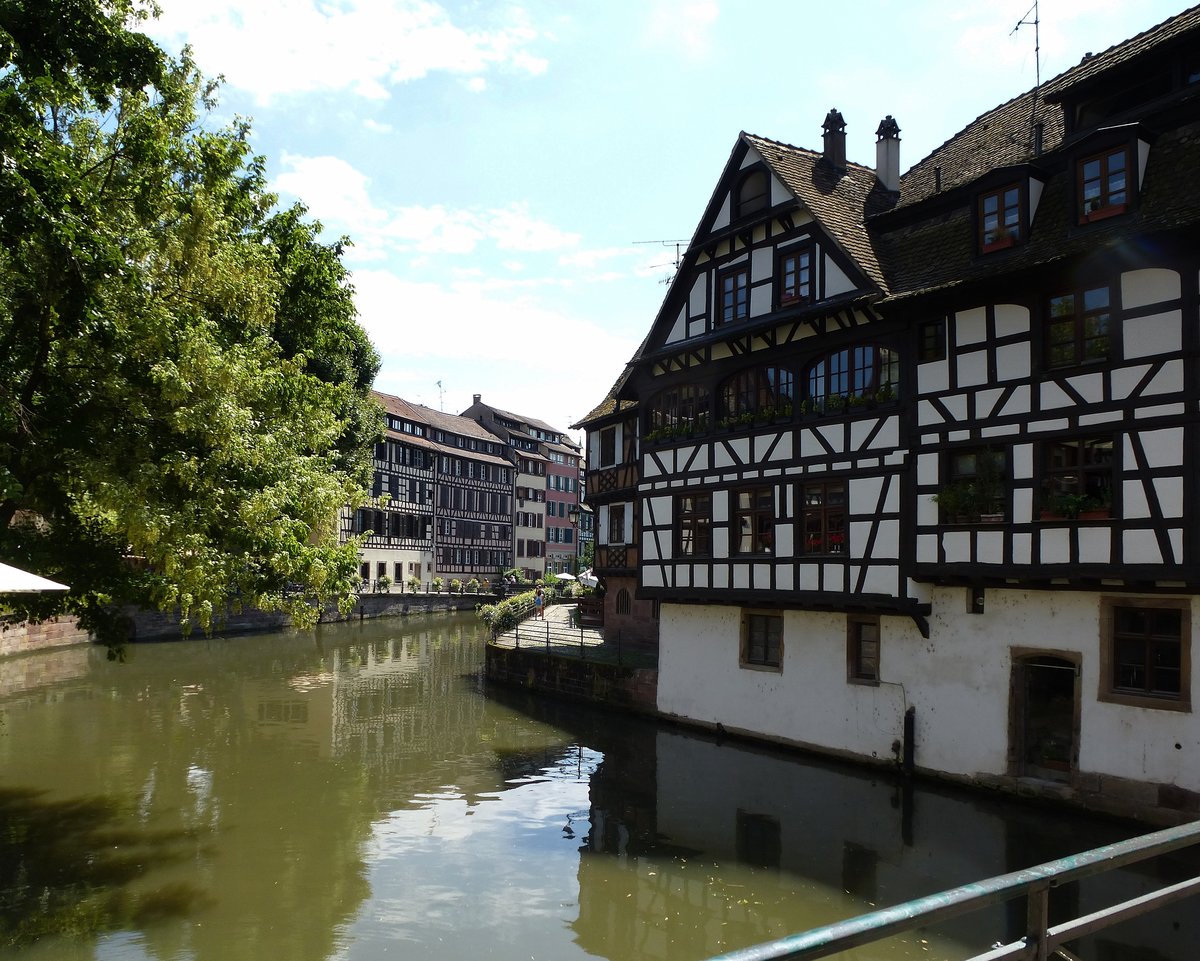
x=1063 y=505
x=414 y=583
x=438 y=582
x=384 y=584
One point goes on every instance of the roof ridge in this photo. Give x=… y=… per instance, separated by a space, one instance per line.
x=805 y=150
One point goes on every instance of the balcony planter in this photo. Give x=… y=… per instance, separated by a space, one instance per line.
x=1095 y=212
x=1000 y=240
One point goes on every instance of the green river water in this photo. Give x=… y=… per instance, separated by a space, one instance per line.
x=360 y=793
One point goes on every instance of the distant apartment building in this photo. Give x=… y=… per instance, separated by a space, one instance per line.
x=442 y=499
x=549 y=464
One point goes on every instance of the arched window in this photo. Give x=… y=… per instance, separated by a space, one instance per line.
x=763 y=391
x=754 y=193
x=678 y=411
x=624 y=602
x=866 y=371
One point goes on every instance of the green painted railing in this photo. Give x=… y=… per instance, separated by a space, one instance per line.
x=1042 y=941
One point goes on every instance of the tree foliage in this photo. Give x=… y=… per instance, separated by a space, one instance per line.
x=185 y=403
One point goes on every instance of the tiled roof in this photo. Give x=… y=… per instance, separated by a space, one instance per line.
x=419 y=414
x=841 y=200
x=1142 y=45
x=939 y=251
x=1001 y=137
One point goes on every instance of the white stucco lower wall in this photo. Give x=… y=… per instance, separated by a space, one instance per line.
x=958 y=682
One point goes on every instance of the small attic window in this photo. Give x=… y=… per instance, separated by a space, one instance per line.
x=753 y=193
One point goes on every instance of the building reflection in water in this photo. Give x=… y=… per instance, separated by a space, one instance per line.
x=362 y=793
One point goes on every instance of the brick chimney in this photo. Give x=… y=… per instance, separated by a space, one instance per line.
x=835 y=139
x=887 y=154
x=477 y=397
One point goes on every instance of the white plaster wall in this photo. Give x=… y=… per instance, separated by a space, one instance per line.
x=957 y=681
x=836 y=281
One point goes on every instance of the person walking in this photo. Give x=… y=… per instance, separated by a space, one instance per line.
x=539 y=602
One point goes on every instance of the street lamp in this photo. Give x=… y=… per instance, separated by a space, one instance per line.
x=573 y=516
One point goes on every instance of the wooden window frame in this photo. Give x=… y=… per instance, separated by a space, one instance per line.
x=762 y=536
x=1008 y=227
x=931 y=341
x=862 y=664
x=733 y=296
x=754 y=390
x=1110 y=691
x=822 y=538
x=859 y=371
x=795 y=292
x=1079 y=489
x=746 y=205
x=693 y=533
x=1100 y=205
x=615 y=511
x=767 y=656
x=1079 y=318
x=608 y=447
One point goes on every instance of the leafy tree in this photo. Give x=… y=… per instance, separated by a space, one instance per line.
x=185 y=403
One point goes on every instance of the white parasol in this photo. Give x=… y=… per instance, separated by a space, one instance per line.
x=13 y=580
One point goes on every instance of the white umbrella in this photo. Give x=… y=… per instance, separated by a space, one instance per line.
x=565 y=577
x=13 y=580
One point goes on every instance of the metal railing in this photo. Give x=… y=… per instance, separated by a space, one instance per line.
x=575 y=640
x=1042 y=940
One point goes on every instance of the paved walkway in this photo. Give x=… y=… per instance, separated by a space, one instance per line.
x=556 y=630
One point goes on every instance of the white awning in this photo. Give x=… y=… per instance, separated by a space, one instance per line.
x=13 y=580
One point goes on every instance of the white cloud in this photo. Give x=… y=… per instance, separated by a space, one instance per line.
x=494 y=340
x=376 y=126
x=338 y=195
x=275 y=47
x=684 y=23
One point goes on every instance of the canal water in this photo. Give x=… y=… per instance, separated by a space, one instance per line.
x=360 y=793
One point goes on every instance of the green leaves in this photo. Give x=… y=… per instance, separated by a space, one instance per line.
x=186 y=404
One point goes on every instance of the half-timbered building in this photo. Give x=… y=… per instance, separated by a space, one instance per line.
x=917 y=475
x=547 y=487
x=442 y=499
x=398 y=520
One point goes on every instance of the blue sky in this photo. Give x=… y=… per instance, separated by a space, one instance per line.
x=514 y=176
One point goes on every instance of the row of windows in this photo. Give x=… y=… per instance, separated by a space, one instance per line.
x=459 y=467
x=531 y=548
x=475 y=501
x=794 y=284
x=833 y=382
x=1077 y=330
x=762 y=645
x=467 y=443
x=472 y=558
x=1145 y=649
x=392 y=524
x=402 y=455
x=409 y=489
x=473 y=530
x=1075 y=478
x=1103 y=188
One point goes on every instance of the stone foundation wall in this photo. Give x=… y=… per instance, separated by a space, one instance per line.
x=18 y=637
x=624 y=688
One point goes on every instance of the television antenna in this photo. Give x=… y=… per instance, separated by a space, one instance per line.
x=677 y=244
x=441 y=393
x=1037 y=59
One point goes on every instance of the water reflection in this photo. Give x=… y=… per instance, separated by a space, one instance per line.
x=358 y=794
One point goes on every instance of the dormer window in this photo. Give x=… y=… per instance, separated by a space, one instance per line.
x=1000 y=221
x=1104 y=184
x=754 y=193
